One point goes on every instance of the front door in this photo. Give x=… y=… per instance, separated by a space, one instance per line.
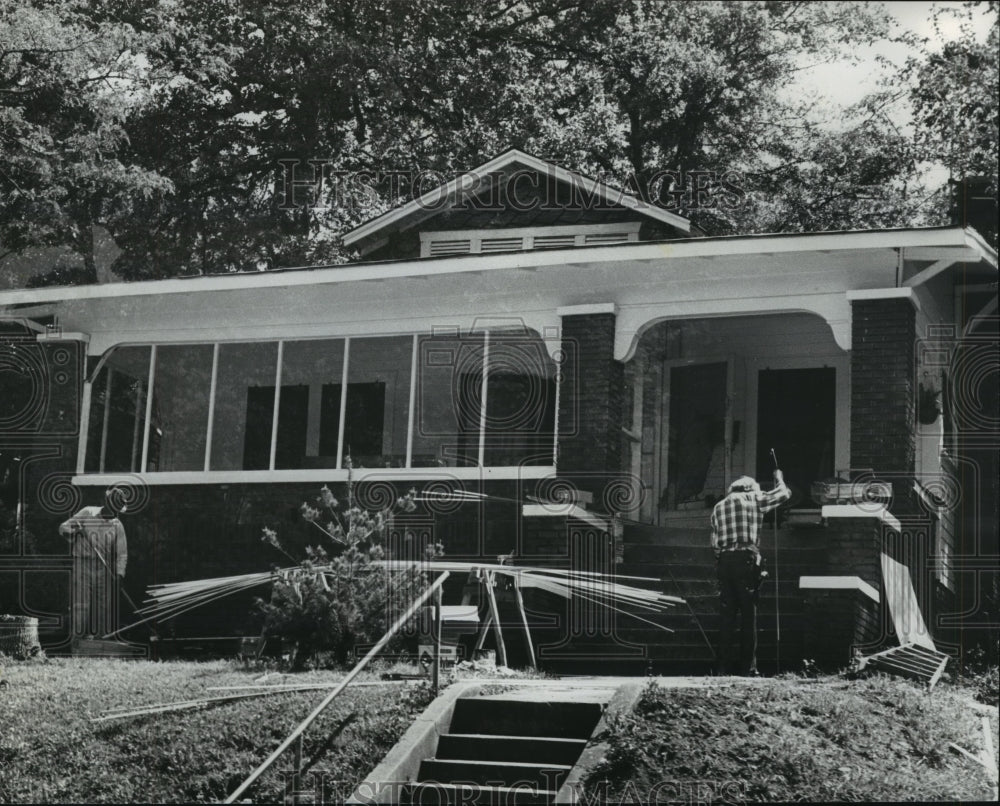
x=796 y=411
x=695 y=465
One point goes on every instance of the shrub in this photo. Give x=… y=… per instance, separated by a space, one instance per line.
x=337 y=602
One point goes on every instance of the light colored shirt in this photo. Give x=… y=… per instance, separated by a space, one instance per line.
x=90 y=533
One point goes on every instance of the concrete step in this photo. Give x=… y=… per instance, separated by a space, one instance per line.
x=511 y=717
x=639 y=557
x=459 y=794
x=493 y=773
x=700 y=535
x=539 y=749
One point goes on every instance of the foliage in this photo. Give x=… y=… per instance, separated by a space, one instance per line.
x=68 y=84
x=50 y=751
x=955 y=99
x=818 y=741
x=171 y=123
x=337 y=603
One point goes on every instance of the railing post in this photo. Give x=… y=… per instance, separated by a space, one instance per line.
x=437 y=642
x=296 y=770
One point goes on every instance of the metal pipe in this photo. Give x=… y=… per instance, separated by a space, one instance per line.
x=333 y=694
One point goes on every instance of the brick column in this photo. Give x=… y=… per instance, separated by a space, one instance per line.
x=591 y=402
x=883 y=392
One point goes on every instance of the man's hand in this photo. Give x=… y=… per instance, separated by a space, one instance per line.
x=779 y=477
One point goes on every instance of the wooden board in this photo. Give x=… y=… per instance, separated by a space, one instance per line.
x=903 y=606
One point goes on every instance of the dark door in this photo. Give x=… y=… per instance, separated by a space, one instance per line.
x=796 y=416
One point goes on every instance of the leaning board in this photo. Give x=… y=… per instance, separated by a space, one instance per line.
x=903 y=606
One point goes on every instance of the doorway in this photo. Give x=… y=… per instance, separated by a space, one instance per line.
x=796 y=416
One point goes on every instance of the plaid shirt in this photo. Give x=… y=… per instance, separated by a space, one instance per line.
x=737 y=518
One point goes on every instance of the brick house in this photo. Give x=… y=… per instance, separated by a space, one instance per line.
x=593 y=364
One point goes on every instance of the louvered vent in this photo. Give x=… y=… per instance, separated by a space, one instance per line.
x=459 y=247
x=555 y=241
x=605 y=238
x=502 y=244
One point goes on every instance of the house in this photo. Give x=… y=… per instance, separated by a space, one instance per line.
x=592 y=363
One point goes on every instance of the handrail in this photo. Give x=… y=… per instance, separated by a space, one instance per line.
x=295 y=734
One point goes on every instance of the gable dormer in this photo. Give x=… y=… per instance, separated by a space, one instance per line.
x=514 y=202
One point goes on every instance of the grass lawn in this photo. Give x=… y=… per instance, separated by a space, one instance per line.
x=50 y=751
x=794 y=740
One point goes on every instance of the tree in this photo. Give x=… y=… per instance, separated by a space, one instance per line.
x=955 y=105
x=67 y=85
x=227 y=95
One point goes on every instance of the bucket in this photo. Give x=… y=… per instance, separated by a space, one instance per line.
x=19 y=637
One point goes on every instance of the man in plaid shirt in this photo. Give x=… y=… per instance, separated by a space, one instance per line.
x=736 y=523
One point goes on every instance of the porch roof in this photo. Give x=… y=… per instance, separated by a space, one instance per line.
x=643 y=282
x=930 y=244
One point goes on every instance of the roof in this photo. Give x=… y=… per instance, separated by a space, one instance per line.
x=468 y=183
x=965 y=244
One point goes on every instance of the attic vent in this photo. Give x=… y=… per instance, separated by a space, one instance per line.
x=605 y=238
x=458 y=247
x=502 y=244
x=514 y=239
x=554 y=241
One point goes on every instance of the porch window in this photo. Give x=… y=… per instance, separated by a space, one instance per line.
x=178 y=428
x=243 y=415
x=483 y=399
x=118 y=412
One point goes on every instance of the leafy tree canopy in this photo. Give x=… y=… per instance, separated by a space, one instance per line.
x=173 y=123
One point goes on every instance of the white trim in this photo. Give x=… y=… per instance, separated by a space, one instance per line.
x=586 y=310
x=212 y=387
x=513 y=232
x=471 y=242
x=527 y=472
x=931 y=271
x=104 y=422
x=567 y=510
x=149 y=408
x=484 y=390
x=81 y=443
x=276 y=404
x=861 y=511
x=839 y=583
x=343 y=402
x=58 y=335
x=884 y=293
x=746 y=245
x=439 y=198
x=411 y=409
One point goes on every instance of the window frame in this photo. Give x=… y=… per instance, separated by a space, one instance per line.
x=338 y=473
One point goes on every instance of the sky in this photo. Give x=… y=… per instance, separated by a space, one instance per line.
x=846 y=83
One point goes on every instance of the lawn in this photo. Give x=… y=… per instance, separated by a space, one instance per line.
x=50 y=751
x=794 y=740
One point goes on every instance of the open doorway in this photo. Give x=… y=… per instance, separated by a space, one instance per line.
x=696 y=440
x=796 y=416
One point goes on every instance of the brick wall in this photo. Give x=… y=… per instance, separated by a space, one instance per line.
x=591 y=402
x=883 y=395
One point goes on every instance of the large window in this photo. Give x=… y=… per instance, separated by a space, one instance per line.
x=386 y=402
x=117 y=425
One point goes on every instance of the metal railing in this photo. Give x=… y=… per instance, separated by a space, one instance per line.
x=295 y=737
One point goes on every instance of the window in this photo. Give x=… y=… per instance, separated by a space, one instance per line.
x=118 y=412
x=409 y=401
x=244 y=406
x=309 y=418
x=449 y=398
x=181 y=387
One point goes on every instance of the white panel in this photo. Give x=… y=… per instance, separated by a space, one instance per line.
x=903 y=606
